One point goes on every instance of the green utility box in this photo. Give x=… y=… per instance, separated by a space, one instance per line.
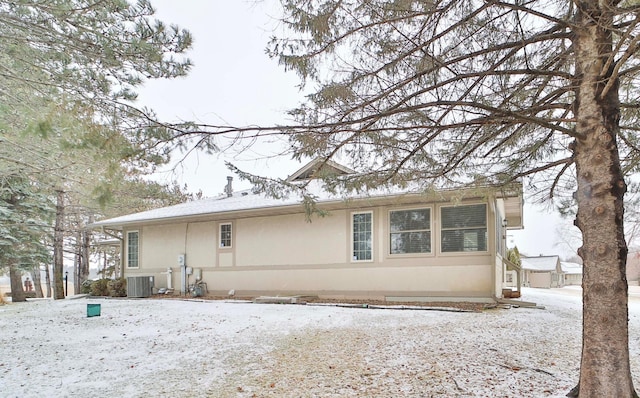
x=93 y=310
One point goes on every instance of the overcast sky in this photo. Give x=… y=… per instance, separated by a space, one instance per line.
x=234 y=82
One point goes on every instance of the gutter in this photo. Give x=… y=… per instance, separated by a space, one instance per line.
x=298 y=207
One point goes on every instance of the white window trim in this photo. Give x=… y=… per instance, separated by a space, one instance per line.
x=463 y=253
x=220 y=235
x=353 y=260
x=431 y=228
x=127 y=249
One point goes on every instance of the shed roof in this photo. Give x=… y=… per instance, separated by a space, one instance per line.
x=540 y=263
x=571 y=268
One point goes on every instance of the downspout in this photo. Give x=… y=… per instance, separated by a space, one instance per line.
x=185 y=278
x=494 y=209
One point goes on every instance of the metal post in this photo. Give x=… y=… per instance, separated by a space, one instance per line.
x=66 y=283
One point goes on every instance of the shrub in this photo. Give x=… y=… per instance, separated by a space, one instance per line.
x=100 y=287
x=118 y=287
x=86 y=286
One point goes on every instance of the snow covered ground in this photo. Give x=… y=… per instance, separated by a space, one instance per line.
x=152 y=348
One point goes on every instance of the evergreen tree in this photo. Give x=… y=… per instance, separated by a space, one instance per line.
x=450 y=93
x=25 y=216
x=70 y=70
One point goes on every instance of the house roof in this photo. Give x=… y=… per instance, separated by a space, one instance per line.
x=248 y=202
x=571 y=268
x=319 y=166
x=243 y=200
x=108 y=242
x=540 y=263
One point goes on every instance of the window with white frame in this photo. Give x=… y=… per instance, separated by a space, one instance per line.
x=225 y=235
x=464 y=228
x=133 y=249
x=410 y=231
x=362 y=226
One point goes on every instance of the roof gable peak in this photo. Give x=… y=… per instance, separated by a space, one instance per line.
x=318 y=167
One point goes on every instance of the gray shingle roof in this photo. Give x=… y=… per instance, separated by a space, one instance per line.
x=243 y=200
x=248 y=200
x=239 y=201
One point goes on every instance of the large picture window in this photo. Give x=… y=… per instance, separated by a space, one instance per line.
x=410 y=231
x=464 y=228
x=362 y=236
x=225 y=235
x=133 y=249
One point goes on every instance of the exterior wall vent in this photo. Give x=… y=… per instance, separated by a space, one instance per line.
x=139 y=286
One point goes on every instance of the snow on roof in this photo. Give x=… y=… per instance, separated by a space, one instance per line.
x=540 y=263
x=242 y=200
x=239 y=201
x=571 y=268
x=308 y=171
x=248 y=200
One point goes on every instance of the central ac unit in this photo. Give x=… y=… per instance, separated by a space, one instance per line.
x=139 y=286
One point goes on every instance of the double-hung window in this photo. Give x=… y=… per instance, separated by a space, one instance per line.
x=225 y=235
x=362 y=227
x=133 y=249
x=464 y=228
x=410 y=231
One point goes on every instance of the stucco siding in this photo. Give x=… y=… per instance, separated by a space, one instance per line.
x=160 y=245
x=291 y=240
x=201 y=244
x=540 y=279
x=498 y=276
x=471 y=280
x=573 y=279
x=285 y=254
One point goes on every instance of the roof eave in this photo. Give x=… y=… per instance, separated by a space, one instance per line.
x=292 y=208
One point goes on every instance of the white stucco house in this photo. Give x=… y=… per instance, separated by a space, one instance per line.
x=542 y=271
x=391 y=245
x=572 y=273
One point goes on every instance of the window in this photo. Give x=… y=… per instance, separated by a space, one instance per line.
x=464 y=228
x=410 y=231
x=225 y=235
x=133 y=249
x=362 y=236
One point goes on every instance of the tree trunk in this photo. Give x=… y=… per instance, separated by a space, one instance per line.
x=83 y=272
x=604 y=369
x=15 y=278
x=77 y=259
x=58 y=238
x=47 y=278
x=37 y=281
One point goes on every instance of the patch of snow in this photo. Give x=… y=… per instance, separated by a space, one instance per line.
x=180 y=348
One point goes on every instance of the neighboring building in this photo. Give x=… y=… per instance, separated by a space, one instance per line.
x=542 y=271
x=511 y=278
x=633 y=268
x=572 y=273
x=392 y=246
